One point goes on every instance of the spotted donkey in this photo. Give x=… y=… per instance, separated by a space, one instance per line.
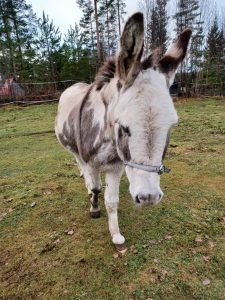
x=122 y=120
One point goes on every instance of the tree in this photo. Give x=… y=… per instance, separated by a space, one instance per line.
x=49 y=43
x=188 y=15
x=159 y=21
x=146 y=7
x=120 y=6
x=99 y=50
x=156 y=20
x=17 y=23
x=214 y=54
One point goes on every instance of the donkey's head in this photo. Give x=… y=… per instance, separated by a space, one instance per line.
x=145 y=112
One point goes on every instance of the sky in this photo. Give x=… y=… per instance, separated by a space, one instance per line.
x=65 y=13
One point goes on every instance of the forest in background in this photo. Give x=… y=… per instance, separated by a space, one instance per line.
x=32 y=49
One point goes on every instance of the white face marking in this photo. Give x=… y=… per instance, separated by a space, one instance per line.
x=146 y=108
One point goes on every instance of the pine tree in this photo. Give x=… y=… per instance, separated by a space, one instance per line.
x=146 y=6
x=120 y=7
x=17 y=23
x=158 y=25
x=108 y=27
x=87 y=25
x=156 y=20
x=49 y=44
x=188 y=15
x=214 y=54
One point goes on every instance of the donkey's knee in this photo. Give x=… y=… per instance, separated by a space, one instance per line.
x=95 y=211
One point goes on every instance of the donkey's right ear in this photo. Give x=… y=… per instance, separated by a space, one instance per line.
x=131 y=48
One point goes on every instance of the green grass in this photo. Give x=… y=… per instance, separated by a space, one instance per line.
x=37 y=258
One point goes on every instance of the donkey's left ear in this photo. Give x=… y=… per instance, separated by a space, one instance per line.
x=131 y=48
x=175 y=54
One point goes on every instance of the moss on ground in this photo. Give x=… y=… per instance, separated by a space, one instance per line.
x=173 y=247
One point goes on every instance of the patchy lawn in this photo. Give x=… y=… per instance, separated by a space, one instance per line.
x=176 y=249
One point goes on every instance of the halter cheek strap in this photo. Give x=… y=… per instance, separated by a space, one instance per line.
x=152 y=169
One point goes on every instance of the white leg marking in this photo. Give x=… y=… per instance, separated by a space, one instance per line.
x=111 y=203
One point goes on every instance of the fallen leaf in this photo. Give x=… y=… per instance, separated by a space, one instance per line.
x=152 y=242
x=153 y=270
x=57 y=241
x=48 y=192
x=9 y=200
x=206 y=258
x=206 y=282
x=69 y=232
x=198 y=239
x=168 y=237
x=115 y=255
x=211 y=244
x=162 y=275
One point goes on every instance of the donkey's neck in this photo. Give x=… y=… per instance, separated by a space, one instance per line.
x=110 y=95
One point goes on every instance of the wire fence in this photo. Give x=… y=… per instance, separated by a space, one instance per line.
x=198 y=89
x=34 y=93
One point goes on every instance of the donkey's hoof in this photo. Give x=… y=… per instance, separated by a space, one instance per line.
x=121 y=248
x=95 y=214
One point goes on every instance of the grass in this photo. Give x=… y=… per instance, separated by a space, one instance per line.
x=173 y=247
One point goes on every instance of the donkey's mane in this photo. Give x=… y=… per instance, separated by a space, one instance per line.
x=105 y=73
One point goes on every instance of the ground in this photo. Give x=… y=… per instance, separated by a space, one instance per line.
x=51 y=249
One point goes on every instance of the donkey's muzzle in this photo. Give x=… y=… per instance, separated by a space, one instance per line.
x=149 y=199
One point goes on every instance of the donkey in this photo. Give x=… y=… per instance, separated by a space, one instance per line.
x=122 y=121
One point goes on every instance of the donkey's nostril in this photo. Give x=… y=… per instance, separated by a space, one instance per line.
x=137 y=199
x=148 y=198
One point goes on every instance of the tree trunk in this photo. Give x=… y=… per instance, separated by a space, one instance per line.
x=118 y=12
x=97 y=33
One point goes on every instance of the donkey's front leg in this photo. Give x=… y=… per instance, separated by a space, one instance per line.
x=111 y=203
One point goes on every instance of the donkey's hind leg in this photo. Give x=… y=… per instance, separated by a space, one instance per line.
x=94 y=182
x=93 y=185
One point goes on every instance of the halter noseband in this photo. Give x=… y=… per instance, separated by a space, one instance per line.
x=152 y=169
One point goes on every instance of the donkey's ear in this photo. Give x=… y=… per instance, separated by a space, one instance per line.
x=175 y=54
x=131 y=48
